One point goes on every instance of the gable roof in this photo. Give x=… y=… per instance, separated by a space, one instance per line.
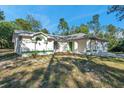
x=18 y=33
x=27 y=33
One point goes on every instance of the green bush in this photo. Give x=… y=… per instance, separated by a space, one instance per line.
x=119 y=47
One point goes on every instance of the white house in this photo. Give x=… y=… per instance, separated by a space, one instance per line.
x=27 y=42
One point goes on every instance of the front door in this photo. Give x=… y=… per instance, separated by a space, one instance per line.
x=71 y=46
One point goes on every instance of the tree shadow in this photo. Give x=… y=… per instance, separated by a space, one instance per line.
x=17 y=80
x=15 y=64
x=108 y=75
x=13 y=81
x=36 y=76
x=59 y=69
x=56 y=73
x=47 y=73
x=8 y=56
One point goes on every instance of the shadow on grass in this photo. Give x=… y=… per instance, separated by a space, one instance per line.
x=56 y=73
x=59 y=69
x=13 y=81
x=108 y=75
x=8 y=56
x=116 y=60
x=17 y=80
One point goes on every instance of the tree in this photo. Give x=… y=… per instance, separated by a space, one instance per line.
x=110 y=35
x=23 y=24
x=45 y=31
x=119 y=47
x=36 y=25
x=101 y=35
x=79 y=29
x=111 y=29
x=63 y=26
x=2 y=17
x=83 y=29
x=75 y=29
x=118 y=10
x=6 y=32
x=116 y=44
x=94 y=24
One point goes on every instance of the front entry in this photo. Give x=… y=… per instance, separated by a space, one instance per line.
x=71 y=46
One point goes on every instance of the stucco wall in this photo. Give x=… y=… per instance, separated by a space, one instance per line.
x=28 y=44
x=82 y=45
x=75 y=47
x=63 y=47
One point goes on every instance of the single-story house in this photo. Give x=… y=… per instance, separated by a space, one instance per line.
x=27 y=42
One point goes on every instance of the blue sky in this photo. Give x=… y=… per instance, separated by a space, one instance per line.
x=50 y=15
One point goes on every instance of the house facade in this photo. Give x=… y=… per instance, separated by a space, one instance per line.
x=27 y=42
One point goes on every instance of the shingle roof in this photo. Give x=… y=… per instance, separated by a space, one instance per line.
x=69 y=37
x=27 y=33
x=56 y=37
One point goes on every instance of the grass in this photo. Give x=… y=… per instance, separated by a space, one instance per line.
x=62 y=70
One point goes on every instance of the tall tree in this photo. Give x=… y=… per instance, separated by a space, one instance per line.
x=63 y=26
x=94 y=24
x=2 y=17
x=35 y=24
x=115 y=43
x=118 y=10
x=23 y=24
x=110 y=35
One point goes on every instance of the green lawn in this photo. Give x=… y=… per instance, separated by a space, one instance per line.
x=61 y=70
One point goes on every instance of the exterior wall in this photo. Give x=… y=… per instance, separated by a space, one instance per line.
x=75 y=49
x=27 y=44
x=50 y=45
x=16 y=45
x=63 y=47
x=96 y=46
x=81 y=46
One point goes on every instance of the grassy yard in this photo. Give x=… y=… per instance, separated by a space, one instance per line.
x=61 y=70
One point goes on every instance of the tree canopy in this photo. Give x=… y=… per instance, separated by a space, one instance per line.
x=118 y=10
x=23 y=24
x=6 y=32
x=94 y=24
x=63 y=26
x=79 y=29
